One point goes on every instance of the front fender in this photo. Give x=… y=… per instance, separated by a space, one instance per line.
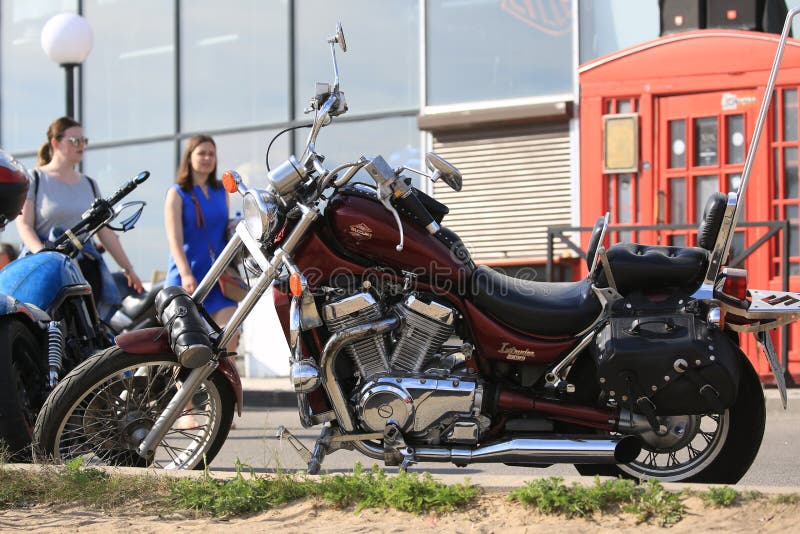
x=154 y=341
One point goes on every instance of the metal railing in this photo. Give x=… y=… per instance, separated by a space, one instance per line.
x=778 y=229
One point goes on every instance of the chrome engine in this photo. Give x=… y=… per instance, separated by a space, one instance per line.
x=403 y=379
x=369 y=355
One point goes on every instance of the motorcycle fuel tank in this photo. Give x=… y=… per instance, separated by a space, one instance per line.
x=39 y=278
x=366 y=229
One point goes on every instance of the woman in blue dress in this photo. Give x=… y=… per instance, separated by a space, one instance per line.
x=196 y=219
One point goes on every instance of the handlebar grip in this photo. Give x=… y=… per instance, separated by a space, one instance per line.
x=413 y=205
x=123 y=191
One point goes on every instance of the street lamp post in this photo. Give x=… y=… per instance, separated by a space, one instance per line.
x=67 y=40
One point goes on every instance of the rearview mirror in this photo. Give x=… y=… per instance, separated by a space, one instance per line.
x=445 y=170
x=129 y=213
x=339 y=37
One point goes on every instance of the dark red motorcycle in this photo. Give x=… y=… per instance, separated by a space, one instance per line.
x=405 y=350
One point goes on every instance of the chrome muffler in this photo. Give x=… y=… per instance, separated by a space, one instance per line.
x=539 y=451
x=526 y=451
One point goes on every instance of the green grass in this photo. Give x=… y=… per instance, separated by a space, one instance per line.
x=790 y=498
x=721 y=497
x=239 y=495
x=409 y=492
x=418 y=493
x=76 y=485
x=648 y=501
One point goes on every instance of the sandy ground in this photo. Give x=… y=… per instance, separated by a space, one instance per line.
x=492 y=513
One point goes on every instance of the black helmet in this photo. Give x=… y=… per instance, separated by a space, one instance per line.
x=14 y=180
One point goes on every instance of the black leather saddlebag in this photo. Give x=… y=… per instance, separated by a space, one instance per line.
x=667 y=365
x=187 y=331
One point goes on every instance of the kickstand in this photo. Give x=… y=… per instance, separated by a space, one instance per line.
x=302 y=450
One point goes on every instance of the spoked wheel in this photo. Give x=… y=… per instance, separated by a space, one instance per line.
x=104 y=408
x=711 y=448
x=684 y=446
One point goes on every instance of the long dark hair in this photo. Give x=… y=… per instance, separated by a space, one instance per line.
x=54 y=131
x=184 y=176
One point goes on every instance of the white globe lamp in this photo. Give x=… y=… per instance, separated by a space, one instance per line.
x=67 y=40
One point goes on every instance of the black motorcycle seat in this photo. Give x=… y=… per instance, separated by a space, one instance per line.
x=133 y=305
x=556 y=309
x=651 y=268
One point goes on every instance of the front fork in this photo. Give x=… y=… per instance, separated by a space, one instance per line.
x=270 y=269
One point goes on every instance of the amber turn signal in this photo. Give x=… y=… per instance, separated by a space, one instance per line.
x=296 y=285
x=229 y=182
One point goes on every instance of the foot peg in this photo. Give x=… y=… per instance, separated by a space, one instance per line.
x=395 y=450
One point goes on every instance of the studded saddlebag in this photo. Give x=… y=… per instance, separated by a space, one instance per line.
x=187 y=331
x=666 y=365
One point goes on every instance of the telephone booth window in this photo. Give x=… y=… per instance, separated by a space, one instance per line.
x=790 y=115
x=704 y=187
x=786 y=194
x=677 y=144
x=705 y=137
x=735 y=139
x=677 y=209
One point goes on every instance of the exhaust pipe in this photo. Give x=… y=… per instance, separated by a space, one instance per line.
x=540 y=451
x=526 y=451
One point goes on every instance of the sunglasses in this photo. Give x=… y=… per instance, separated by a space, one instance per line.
x=77 y=141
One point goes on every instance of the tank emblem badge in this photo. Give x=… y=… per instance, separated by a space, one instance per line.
x=360 y=231
x=513 y=353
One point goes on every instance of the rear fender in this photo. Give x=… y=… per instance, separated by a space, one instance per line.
x=11 y=306
x=154 y=341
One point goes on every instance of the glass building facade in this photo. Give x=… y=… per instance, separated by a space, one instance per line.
x=161 y=71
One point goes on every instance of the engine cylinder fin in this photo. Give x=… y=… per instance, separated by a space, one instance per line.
x=370 y=355
x=427 y=328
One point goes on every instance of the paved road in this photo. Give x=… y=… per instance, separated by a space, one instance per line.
x=253 y=443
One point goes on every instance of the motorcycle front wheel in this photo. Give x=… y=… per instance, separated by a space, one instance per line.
x=709 y=448
x=102 y=410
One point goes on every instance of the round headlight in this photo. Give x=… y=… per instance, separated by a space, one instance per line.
x=262 y=214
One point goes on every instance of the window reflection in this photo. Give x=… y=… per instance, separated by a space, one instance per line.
x=794 y=236
x=129 y=76
x=233 y=63
x=677 y=144
x=790 y=174
x=379 y=71
x=244 y=153
x=396 y=139
x=677 y=201
x=735 y=130
x=610 y=25
x=111 y=167
x=704 y=187
x=790 y=115
x=705 y=142
x=624 y=205
x=734 y=181
x=489 y=49
x=32 y=90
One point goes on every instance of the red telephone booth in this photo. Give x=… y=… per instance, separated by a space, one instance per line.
x=665 y=123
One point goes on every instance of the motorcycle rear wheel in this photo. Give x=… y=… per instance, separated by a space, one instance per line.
x=21 y=383
x=103 y=409
x=709 y=448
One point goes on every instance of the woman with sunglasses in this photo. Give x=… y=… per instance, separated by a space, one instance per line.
x=55 y=202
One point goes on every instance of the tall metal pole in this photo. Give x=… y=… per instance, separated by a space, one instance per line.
x=69 y=68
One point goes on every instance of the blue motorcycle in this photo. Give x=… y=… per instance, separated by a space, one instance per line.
x=49 y=321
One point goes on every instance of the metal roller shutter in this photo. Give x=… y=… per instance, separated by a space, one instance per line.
x=516 y=183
